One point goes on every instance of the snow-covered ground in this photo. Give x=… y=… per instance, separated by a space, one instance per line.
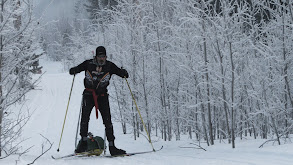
x=48 y=105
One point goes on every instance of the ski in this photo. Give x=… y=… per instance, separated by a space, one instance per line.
x=131 y=154
x=87 y=154
x=66 y=156
x=83 y=154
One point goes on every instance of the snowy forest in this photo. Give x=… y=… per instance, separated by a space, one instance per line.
x=209 y=69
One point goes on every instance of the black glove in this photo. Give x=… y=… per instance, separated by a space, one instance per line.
x=124 y=73
x=72 y=71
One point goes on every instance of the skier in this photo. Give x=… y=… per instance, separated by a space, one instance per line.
x=98 y=72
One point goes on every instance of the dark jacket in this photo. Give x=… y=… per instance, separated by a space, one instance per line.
x=97 y=77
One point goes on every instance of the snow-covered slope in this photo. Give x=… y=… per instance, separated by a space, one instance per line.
x=48 y=105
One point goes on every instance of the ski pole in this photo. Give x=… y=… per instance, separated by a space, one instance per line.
x=66 y=113
x=139 y=114
x=105 y=143
x=77 y=127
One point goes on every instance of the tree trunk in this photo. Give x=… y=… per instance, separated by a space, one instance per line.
x=290 y=9
x=156 y=128
x=120 y=109
x=169 y=130
x=226 y=109
x=276 y=130
x=208 y=88
x=196 y=117
x=177 y=112
x=287 y=86
x=145 y=97
x=232 y=96
x=1 y=94
x=165 y=130
x=137 y=125
x=203 y=119
x=133 y=123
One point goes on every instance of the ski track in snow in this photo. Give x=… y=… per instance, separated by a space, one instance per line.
x=49 y=105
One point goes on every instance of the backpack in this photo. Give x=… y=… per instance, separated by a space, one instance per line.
x=95 y=144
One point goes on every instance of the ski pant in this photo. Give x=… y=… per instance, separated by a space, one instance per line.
x=104 y=108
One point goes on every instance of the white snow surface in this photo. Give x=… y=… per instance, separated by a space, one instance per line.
x=48 y=105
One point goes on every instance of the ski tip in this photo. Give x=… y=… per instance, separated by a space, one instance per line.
x=161 y=148
x=158 y=149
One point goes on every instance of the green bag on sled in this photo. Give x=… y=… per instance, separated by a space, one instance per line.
x=95 y=145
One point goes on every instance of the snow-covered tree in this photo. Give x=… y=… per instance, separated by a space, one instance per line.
x=218 y=69
x=19 y=49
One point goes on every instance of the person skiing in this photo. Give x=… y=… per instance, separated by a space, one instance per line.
x=98 y=72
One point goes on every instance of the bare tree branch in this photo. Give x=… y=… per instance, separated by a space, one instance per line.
x=43 y=152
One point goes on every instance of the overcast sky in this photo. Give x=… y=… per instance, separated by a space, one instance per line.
x=50 y=10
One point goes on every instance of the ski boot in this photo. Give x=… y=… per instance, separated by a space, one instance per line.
x=82 y=146
x=115 y=151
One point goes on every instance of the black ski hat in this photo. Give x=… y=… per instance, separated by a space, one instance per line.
x=101 y=50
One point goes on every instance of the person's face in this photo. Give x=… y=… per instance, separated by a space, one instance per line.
x=101 y=59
